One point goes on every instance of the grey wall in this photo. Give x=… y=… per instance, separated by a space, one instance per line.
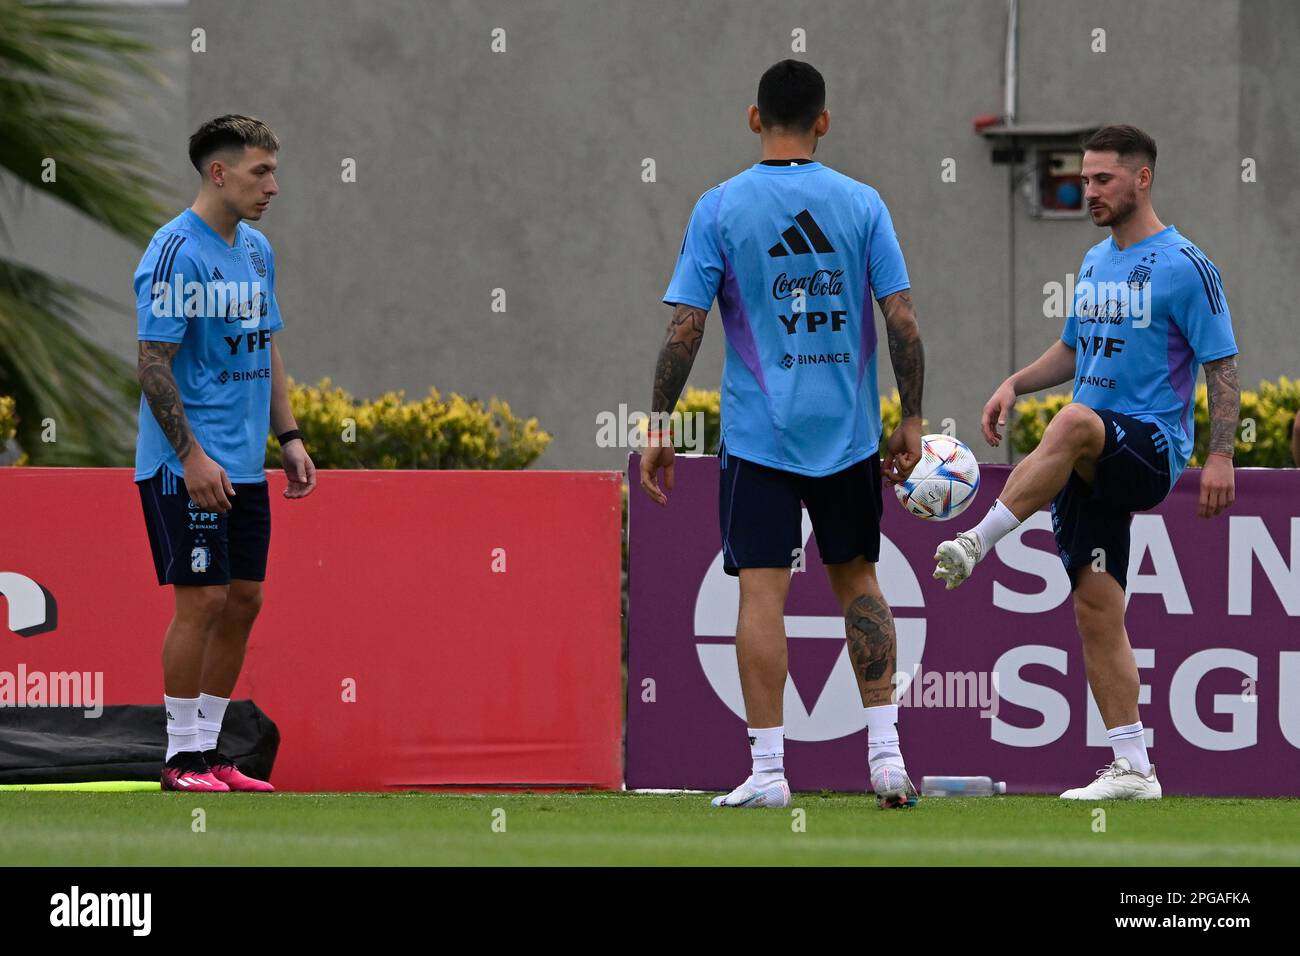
x=522 y=170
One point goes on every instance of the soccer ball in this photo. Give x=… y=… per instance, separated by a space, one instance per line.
x=944 y=481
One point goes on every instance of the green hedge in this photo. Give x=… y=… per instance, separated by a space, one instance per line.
x=390 y=432
x=1263 y=437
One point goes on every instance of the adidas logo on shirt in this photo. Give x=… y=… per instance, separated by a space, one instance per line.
x=796 y=241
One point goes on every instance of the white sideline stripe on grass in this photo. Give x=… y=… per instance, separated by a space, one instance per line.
x=97 y=839
x=868 y=847
x=877 y=845
x=672 y=793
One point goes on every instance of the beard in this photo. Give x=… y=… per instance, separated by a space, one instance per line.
x=1117 y=214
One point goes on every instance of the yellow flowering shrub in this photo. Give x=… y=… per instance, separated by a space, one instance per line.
x=392 y=432
x=8 y=419
x=1263 y=438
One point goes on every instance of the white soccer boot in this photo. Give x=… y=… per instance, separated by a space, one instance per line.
x=892 y=787
x=957 y=558
x=774 y=793
x=1119 y=781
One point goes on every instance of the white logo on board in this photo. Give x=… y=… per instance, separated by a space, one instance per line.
x=837 y=709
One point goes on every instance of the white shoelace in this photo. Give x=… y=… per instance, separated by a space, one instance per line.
x=970 y=545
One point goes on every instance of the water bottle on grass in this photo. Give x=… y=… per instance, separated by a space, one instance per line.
x=961 y=787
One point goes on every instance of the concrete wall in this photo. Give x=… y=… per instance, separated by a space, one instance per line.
x=522 y=170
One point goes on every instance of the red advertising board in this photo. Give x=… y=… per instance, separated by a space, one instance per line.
x=420 y=629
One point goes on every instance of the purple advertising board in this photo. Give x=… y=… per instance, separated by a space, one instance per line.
x=993 y=681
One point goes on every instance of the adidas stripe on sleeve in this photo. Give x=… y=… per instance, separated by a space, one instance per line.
x=1200 y=308
x=699 y=268
x=160 y=279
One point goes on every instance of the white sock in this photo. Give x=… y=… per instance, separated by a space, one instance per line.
x=1130 y=742
x=767 y=748
x=882 y=736
x=211 y=712
x=182 y=729
x=997 y=524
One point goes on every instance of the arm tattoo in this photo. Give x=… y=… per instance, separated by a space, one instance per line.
x=905 y=351
x=1225 y=403
x=154 y=369
x=685 y=332
x=869 y=627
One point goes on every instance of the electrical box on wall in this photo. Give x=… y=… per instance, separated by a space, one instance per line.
x=1048 y=158
x=1056 y=187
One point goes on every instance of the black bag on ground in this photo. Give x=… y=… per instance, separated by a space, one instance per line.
x=126 y=742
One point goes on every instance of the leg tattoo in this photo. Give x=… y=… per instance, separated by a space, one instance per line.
x=869 y=627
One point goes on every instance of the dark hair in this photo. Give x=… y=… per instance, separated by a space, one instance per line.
x=1126 y=141
x=791 y=95
x=226 y=132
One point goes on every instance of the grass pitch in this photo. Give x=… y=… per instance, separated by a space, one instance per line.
x=420 y=829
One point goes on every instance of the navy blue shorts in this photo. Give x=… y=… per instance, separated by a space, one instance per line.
x=195 y=547
x=762 y=520
x=1132 y=475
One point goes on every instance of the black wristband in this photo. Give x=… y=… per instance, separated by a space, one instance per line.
x=289 y=436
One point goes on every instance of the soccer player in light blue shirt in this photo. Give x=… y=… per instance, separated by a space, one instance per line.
x=216 y=301
x=799 y=389
x=212 y=383
x=795 y=252
x=1148 y=311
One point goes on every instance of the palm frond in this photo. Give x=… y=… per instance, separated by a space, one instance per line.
x=51 y=367
x=62 y=68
